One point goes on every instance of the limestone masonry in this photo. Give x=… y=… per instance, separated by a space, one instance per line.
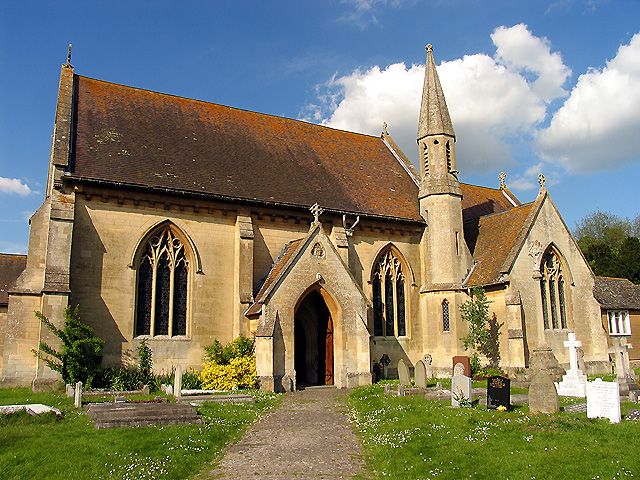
x=180 y=222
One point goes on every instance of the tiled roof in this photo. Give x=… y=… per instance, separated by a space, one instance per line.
x=479 y=201
x=617 y=293
x=11 y=266
x=492 y=239
x=141 y=138
x=285 y=254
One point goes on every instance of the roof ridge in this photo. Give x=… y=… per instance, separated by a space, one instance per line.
x=499 y=213
x=281 y=117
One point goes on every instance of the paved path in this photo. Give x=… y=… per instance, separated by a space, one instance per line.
x=307 y=437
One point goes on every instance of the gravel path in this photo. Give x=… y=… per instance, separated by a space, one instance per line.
x=307 y=437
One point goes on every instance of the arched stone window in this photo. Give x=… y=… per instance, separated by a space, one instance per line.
x=552 y=291
x=163 y=271
x=445 y=315
x=389 y=296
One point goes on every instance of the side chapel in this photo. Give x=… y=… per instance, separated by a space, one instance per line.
x=181 y=221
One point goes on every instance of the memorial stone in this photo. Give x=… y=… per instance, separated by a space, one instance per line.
x=420 y=375
x=624 y=374
x=403 y=373
x=69 y=390
x=461 y=391
x=465 y=361
x=77 y=401
x=603 y=400
x=543 y=397
x=498 y=392
x=574 y=382
x=177 y=382
x=428 y=365
x=385 y=361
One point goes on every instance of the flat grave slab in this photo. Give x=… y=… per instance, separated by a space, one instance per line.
x=31 y=409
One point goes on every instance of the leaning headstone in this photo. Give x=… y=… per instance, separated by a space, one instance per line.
x=428 y=361
x=465 y=361
x=603 y=400
x=403 y=373
x=420 y=374
x=177 y=382
x=543 y=397
x=574 y=382
x=77 y=400
x=461 y=391
x=70 y=392
x=498 y=392
x=146 y=390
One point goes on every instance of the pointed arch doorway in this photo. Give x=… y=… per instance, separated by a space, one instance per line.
x=313 y=337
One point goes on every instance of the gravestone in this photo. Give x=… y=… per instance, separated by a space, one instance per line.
x=543 y=397
x=387 y=389
x=401 y=391
x=420 y=374
x=465 y=361
x=498 y=392
x=603 y=400
x=385 y=361
x=146 y=390
x=624 y=374
x=428 y=360
x=403 y=373
x=70 y=392
x=458 y=369
x=177 y=382
x=542 y=358
x=77 y=400
x=574 y=382
x=461 y=390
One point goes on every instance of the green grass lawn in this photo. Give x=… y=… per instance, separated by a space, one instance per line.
x=71 y=447
x=414 y=438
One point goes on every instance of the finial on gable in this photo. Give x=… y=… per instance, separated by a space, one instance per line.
x=384 y=128
x=68 y=64
x=542 y=180
x=316 y=210
x=502 y=177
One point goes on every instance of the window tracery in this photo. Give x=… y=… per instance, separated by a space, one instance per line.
x=552 y=291
x=445 y=315
x=389 y=297
x=163 y=270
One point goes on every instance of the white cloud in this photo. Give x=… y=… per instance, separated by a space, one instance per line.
x=597 y=127
x=362 y=13
x=14 y=185
x=490 y=98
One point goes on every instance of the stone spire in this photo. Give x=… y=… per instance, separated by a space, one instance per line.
x=434 y=114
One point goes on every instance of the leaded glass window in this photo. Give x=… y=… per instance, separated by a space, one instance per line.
x=445 y=315
x=163 y=272
x=552 y=292
x=389 y=297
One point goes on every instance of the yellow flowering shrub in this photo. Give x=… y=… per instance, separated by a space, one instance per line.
x=240 y=372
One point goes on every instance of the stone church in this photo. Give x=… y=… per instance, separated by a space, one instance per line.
x=181 y=221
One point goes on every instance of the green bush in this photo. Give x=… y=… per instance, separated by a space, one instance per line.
x=190 y=379
x=222 y=355
x=81 y=354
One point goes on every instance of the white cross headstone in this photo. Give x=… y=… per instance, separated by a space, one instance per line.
x=574 y=382
x=572 y=344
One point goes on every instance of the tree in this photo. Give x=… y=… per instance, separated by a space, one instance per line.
x=610 y=244
x=483 y=335
x=80 y=357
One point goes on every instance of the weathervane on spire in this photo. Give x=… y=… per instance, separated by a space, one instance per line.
x=68 y=64
x=316 y=210
x=502 y=177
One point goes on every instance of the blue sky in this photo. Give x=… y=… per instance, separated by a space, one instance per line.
x=532 y=86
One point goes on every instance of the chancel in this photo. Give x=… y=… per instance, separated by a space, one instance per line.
x=179 y=221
